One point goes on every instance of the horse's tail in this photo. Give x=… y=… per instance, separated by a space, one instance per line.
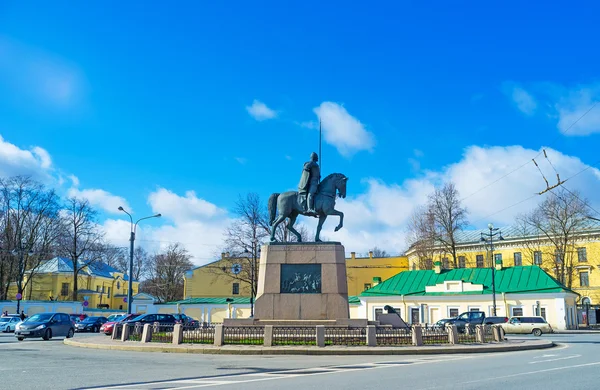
x=272 y=207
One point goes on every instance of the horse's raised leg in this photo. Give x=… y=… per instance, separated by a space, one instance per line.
x=280 y=218
x=290 y=226
x=336 y=212
x=322 y=218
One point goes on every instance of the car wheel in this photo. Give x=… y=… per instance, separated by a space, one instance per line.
x=20 y=338
x=95 y=329
x=70 y=334
x=47 y=334
x=537 y=332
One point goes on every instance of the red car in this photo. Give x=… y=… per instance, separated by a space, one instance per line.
x=108 y=327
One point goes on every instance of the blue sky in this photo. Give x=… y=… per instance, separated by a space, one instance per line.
x=145 y=102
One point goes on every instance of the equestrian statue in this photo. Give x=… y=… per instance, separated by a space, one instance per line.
x=314 y=198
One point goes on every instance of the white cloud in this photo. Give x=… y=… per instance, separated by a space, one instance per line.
x=182 y=209
x=74 y=180
x=379 y=217
x=38 y=74
x=241 y=160
x=342 y=130
x=259 y=111
x=101 y=198
x=573 y=116
x=524 y=101
x=15 y=161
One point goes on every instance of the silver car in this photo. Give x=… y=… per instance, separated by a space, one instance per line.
x=527 y=325
x=9 y=323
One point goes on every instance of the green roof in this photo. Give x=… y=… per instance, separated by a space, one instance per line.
x=525 y=279
x=212 y=301
x=353 y=300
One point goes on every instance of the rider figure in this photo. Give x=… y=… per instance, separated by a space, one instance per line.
x=309 y=181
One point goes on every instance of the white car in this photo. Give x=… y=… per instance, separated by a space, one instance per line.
x=8 y=324
x=526 y=325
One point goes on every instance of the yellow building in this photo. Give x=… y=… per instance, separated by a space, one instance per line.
x=100 y=285
x=516 y=249
x=219 y=279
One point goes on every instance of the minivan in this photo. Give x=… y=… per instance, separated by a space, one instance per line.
x=526 y=325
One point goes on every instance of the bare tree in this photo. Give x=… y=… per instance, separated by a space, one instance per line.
x=449 y=216
x=111 y=255
x=30 y=228
x=166 y=272
x=80 y=238
x=141 y=263
x=422 y=236
x=558 y=222
x=378 y=252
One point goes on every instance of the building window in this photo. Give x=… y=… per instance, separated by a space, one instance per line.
x=428 y=264
x=462 y=262
x=453 y=312
x=517 y=311
x=473 y=309
x=558 y=257
x=235 y=289
x=537 y=312
x=537 y=257
x=581 y=255
x=367 y=286
x=108 y=292
x=414 y=266
x=584 y=279
x=97 y=288
x=479 y=260
x=64 y=290
x=445 y=263
x=518 y=259
x=497 y=257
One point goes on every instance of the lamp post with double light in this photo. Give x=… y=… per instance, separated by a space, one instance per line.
x=255 y=253
x=131 y=241
x=489 y=239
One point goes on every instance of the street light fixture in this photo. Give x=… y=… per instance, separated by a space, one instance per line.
x=489 y=238
x=255 y=254
x=131 y=240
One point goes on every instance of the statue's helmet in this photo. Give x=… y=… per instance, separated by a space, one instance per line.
x=314 y=157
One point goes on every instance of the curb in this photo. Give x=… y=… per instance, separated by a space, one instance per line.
x=236 y=350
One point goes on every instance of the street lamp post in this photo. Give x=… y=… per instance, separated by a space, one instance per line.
x=489 y=237
x=253 y=256
x=131 y=241
x=21 y=252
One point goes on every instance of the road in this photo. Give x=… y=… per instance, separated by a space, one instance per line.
x=37 y=364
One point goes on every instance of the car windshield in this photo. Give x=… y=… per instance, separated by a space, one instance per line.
x=4 y=319
x=39 y=317
x=117 y=318
x=138 y=318
x=90 y=319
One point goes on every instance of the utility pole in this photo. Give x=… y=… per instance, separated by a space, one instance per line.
x=489 y=238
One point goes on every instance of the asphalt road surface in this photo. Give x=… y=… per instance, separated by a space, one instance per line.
x=37 y=364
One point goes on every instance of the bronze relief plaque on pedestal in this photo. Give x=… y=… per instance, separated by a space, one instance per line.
x=300 y=279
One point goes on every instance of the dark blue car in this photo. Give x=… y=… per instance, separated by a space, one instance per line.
x=46 y=326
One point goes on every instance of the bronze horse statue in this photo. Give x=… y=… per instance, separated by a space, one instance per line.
x=289 y=206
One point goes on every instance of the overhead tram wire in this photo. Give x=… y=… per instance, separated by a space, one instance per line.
x=536 y=156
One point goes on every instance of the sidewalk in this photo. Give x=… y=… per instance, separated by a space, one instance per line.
x=102 y=342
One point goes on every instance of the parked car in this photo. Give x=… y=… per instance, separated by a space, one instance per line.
x=9 y=323
x=163 y=319
x=90 y=324
x=46 y=326
x=115 y=317
x=188 y=322
x=470 y=317
x=77 y=317
x=108 y=327
x=526 y=325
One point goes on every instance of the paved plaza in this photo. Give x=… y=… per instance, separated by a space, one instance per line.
x=35 y=364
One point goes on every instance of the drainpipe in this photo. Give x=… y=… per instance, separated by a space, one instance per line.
x=505 y=305
x=404 y=303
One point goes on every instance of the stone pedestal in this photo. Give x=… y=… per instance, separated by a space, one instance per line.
x=302 y=281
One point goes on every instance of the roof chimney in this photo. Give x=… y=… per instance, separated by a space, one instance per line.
x=222 y=255
x=370 y=254
x=437 y=266
x=353 y=255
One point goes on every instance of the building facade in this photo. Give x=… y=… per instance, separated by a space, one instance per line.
x=100 y=285
x=577 y=268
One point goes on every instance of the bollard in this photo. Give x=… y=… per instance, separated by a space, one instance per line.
x=178 y=334
x=320 y=336
x=268 y=338
x=479 y=334
x=498 y=333
x=487 y=330
x=219 y=335
x=371 y=336
x=147 y=333
x=125 y=333
x=115 y=331
x=417 y=335
x=452 y=333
